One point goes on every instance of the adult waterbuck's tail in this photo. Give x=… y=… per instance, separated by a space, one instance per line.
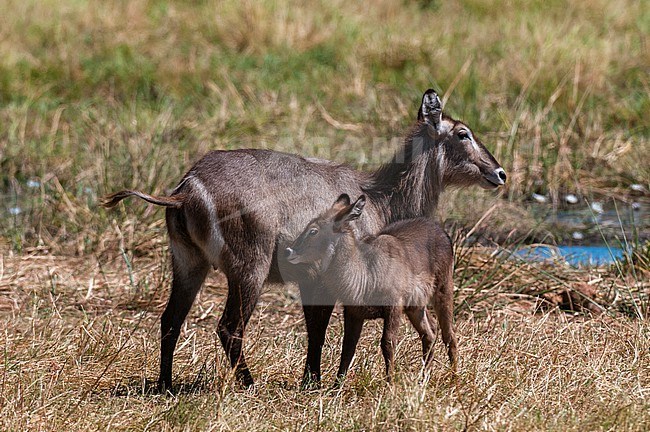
x=175 y=201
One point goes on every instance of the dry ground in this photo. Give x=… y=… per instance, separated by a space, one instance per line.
x=80 y=352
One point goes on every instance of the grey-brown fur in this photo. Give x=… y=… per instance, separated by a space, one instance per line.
x=402 y=269
x=239 y=207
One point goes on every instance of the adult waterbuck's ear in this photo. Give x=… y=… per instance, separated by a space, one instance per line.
x=430 y=111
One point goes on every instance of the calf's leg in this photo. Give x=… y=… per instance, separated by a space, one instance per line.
x=443 y=306
x=352 y=326
x=421 y=320
x=389 y=339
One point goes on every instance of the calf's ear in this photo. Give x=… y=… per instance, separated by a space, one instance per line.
x=343 y=199
x=350 y=213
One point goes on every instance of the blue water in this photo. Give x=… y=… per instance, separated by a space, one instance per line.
x=576 y=256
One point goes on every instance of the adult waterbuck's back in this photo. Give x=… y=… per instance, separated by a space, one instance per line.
x=408 y=265
x=234 y=210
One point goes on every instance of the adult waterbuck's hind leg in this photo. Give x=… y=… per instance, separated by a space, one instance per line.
x=246 y=265
x=243 y=293
x=189 y=269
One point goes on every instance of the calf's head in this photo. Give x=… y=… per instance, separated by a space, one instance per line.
x=317 y=241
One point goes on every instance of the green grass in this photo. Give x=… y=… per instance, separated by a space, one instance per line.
x=107 y=95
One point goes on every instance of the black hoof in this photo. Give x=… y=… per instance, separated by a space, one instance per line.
x=165 y=388
x=310 y=382
x=338 y=384
x=245 y=378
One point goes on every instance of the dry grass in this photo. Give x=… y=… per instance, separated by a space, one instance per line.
x=80 y=348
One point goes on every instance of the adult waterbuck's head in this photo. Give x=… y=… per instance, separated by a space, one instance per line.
x=462 y=158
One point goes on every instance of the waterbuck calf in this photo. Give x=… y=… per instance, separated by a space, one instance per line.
x=234 y=210
x=403 y=268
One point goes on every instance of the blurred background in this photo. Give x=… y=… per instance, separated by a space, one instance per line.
x=98 y=96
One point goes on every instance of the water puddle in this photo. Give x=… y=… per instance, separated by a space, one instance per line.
x=576 y=256
x=590 y=234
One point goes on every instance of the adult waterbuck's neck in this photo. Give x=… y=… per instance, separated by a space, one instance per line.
x=438 y=152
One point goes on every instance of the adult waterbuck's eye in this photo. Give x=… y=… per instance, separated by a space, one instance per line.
x=463 y=135
x=313 y=231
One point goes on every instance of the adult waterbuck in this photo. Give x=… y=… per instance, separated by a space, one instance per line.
x=234 y=210
x=403 y=268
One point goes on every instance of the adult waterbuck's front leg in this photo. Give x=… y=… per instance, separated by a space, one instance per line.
x=317 y=306
x=352 y=326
